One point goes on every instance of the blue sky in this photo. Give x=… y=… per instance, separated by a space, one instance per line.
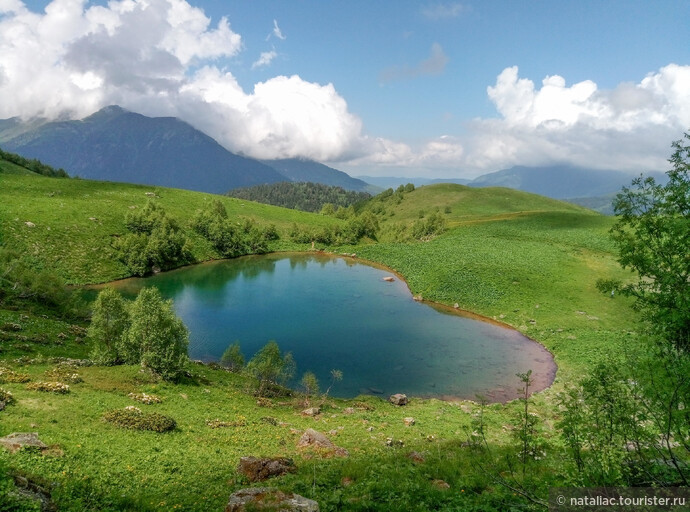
x=445 y=89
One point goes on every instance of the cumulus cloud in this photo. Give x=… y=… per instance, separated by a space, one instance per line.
x=158 y=57
x=628 y=128
x=433 y=65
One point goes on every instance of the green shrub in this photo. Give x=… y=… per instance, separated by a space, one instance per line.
x=154 y=241
x=109 y=321
x=232 y=358
x=145 y=398
x=271 y=368
x=133 y=418
x=156 y=337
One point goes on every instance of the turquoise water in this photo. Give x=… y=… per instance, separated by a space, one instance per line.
x=336 y=313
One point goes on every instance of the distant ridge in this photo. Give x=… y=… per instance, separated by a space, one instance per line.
x=117 y=145
x=560 y=181
x=303 y=171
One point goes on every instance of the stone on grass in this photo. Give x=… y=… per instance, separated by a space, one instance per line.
x=312 y=411
x=408 y=421
x=398 y=399
x=258 y=469
x=18 y=440
x=314 y=439
x=266 y=498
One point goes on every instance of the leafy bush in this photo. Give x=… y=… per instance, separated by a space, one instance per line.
x=21 y=282
x=425 y=229
x=154 y=241
x=228 y=238
x=133 y=418
x=156 y=337
x=232 y=358
x=146 y=332
x=271 y=368
x=109 y=321
x=49 y=387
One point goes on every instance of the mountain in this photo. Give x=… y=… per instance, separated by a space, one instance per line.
x=301 y=170
x=385 y=182
x=117 y=145
x=560 y=181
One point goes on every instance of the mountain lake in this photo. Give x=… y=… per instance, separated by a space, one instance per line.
x=339 y=313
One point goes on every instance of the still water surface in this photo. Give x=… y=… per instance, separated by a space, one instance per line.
x=334 y=312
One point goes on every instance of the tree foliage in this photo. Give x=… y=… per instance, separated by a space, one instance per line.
x=231 y=238
x=653 y=239
x=154 y=241
x=146 y=331
x=271 y=368
x=307 y=196
x=33 y=165
x=109 y=323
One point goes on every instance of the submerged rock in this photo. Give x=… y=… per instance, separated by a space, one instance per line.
x=266 y=498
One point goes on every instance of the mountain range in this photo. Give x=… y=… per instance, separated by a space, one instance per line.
x=117 y=145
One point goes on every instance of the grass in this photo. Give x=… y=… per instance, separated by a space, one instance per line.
x=521 y=259
x=74 y=222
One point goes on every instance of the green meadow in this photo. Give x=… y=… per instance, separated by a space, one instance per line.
x=516 y=258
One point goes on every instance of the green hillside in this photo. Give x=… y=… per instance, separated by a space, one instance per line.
x=7 y=167
x=75 y=221
x=521 y=259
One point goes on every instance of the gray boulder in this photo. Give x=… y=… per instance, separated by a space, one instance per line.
x=266 y=498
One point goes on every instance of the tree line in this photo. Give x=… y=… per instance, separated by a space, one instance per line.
x=305 y=196
x=33 y=165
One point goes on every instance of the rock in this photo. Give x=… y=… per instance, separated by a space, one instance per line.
x=408 y=421
x=398 y=399
x=389 y=279
x=349 y=410
x=258 y=469
x=312 y=411
x=441 y=484
x=266 y=498
x=416 y=457
x=313 y=439
x=17 y=440
x=456 y=305
x=2 y=405
x=30 y=224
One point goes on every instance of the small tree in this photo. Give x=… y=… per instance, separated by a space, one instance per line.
x=271 y=368
x=310 y=385
x=156 y=338
x=232 y=358
x=653 y=238
x=109 y=322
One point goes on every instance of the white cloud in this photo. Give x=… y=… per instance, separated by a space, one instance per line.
x=440 y=11
x=277 y=32
x=141 y=54
x=433 y=65
x=264 y=59
x=627 y=128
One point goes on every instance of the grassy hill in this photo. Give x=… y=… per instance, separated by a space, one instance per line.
x=525 y=260
x=74 y=221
